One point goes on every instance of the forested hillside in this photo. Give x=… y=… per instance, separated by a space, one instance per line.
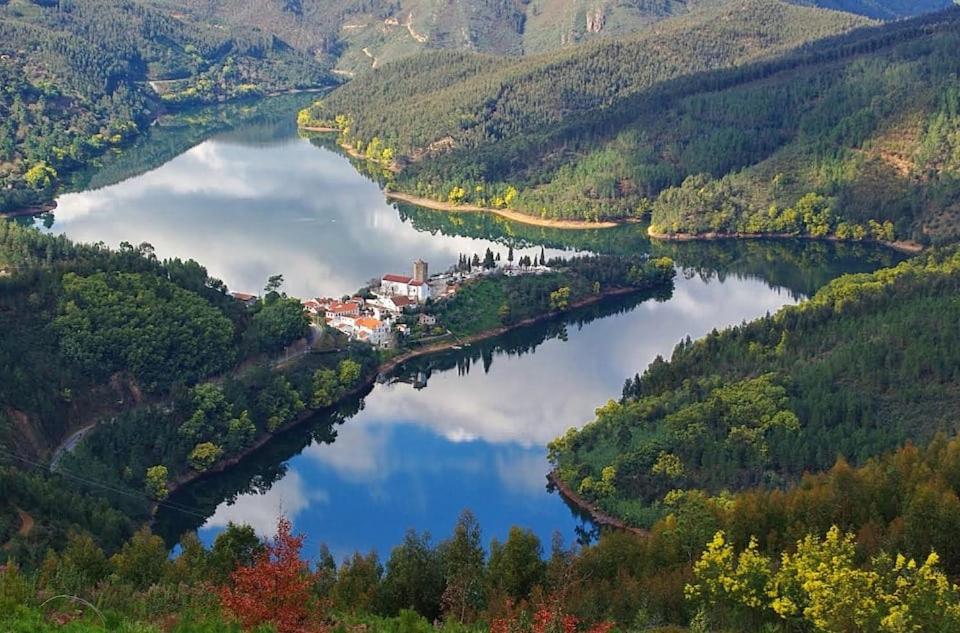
x=880 y=537
x=867 y=364
x=89 y=333
x=81 y=79
x=457 y=100
x=850 y=136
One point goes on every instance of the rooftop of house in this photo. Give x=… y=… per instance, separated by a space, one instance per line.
x=369 y=323
x=243 y=296
x=346 y=306
x=402 y=279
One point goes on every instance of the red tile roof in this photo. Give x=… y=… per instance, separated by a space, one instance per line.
x=397 y=278
x=243 y=296
x=369 y=323
x=349 y=306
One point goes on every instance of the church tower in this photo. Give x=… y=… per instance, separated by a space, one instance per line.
x=420 y=271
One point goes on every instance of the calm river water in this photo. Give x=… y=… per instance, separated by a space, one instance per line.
x=247 y=197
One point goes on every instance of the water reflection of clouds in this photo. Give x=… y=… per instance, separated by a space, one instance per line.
x=526 y=401
x=532 y=398
x=289 y=497
x=247 y=213
x=409 y=458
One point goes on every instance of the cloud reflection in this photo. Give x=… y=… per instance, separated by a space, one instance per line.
x=249 y=212
x=288 y=497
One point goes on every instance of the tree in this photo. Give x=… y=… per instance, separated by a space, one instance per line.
x=204 y=455
x=211 y=413
x=560 y=299
x=142 y=561
x=274 y=283
x=275 y=589
x=237 y=546
x=348 y=372
x=516 y=566
x=325 y=386
x=358 y=582
x=488 y=260
x=40 y=176
x=456 y=195
x=240 y=432
x=156 y=482
x=81 y=565
x=414 y=577
x=463 y=570
x=278 y=323
x=510 y=254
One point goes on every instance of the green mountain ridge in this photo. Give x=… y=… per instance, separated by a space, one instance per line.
x=841 y=135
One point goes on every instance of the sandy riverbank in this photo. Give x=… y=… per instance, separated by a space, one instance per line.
x=509 y=214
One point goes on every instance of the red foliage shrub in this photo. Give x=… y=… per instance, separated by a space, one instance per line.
x=275 y=589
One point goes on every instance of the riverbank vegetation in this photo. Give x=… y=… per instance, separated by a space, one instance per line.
x=499 y=300
x=762 y=403
x=848 y=137
x=752 y=561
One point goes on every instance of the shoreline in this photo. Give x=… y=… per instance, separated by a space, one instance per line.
x=590 y=509
x=34 y=210
x=436 y=205
x=367 y=384
x=509 y=214
x=903 y=246
x=347 y=147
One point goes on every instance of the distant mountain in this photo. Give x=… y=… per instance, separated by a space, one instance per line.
x=364 y=34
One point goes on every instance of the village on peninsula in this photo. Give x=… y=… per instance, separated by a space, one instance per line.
x=387 y=311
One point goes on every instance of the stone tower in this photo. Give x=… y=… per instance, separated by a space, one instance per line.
x=420 y=271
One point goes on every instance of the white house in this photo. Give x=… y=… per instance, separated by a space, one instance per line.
x=374 y=331
x=403 y=286
x=341 y=309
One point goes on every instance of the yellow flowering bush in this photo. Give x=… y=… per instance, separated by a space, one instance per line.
x=821 y=587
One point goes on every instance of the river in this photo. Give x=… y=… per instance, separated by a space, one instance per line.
x=248 y=198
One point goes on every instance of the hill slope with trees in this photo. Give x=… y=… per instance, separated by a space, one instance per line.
x=366 y=34
x=841 y=135
x=867 y=364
